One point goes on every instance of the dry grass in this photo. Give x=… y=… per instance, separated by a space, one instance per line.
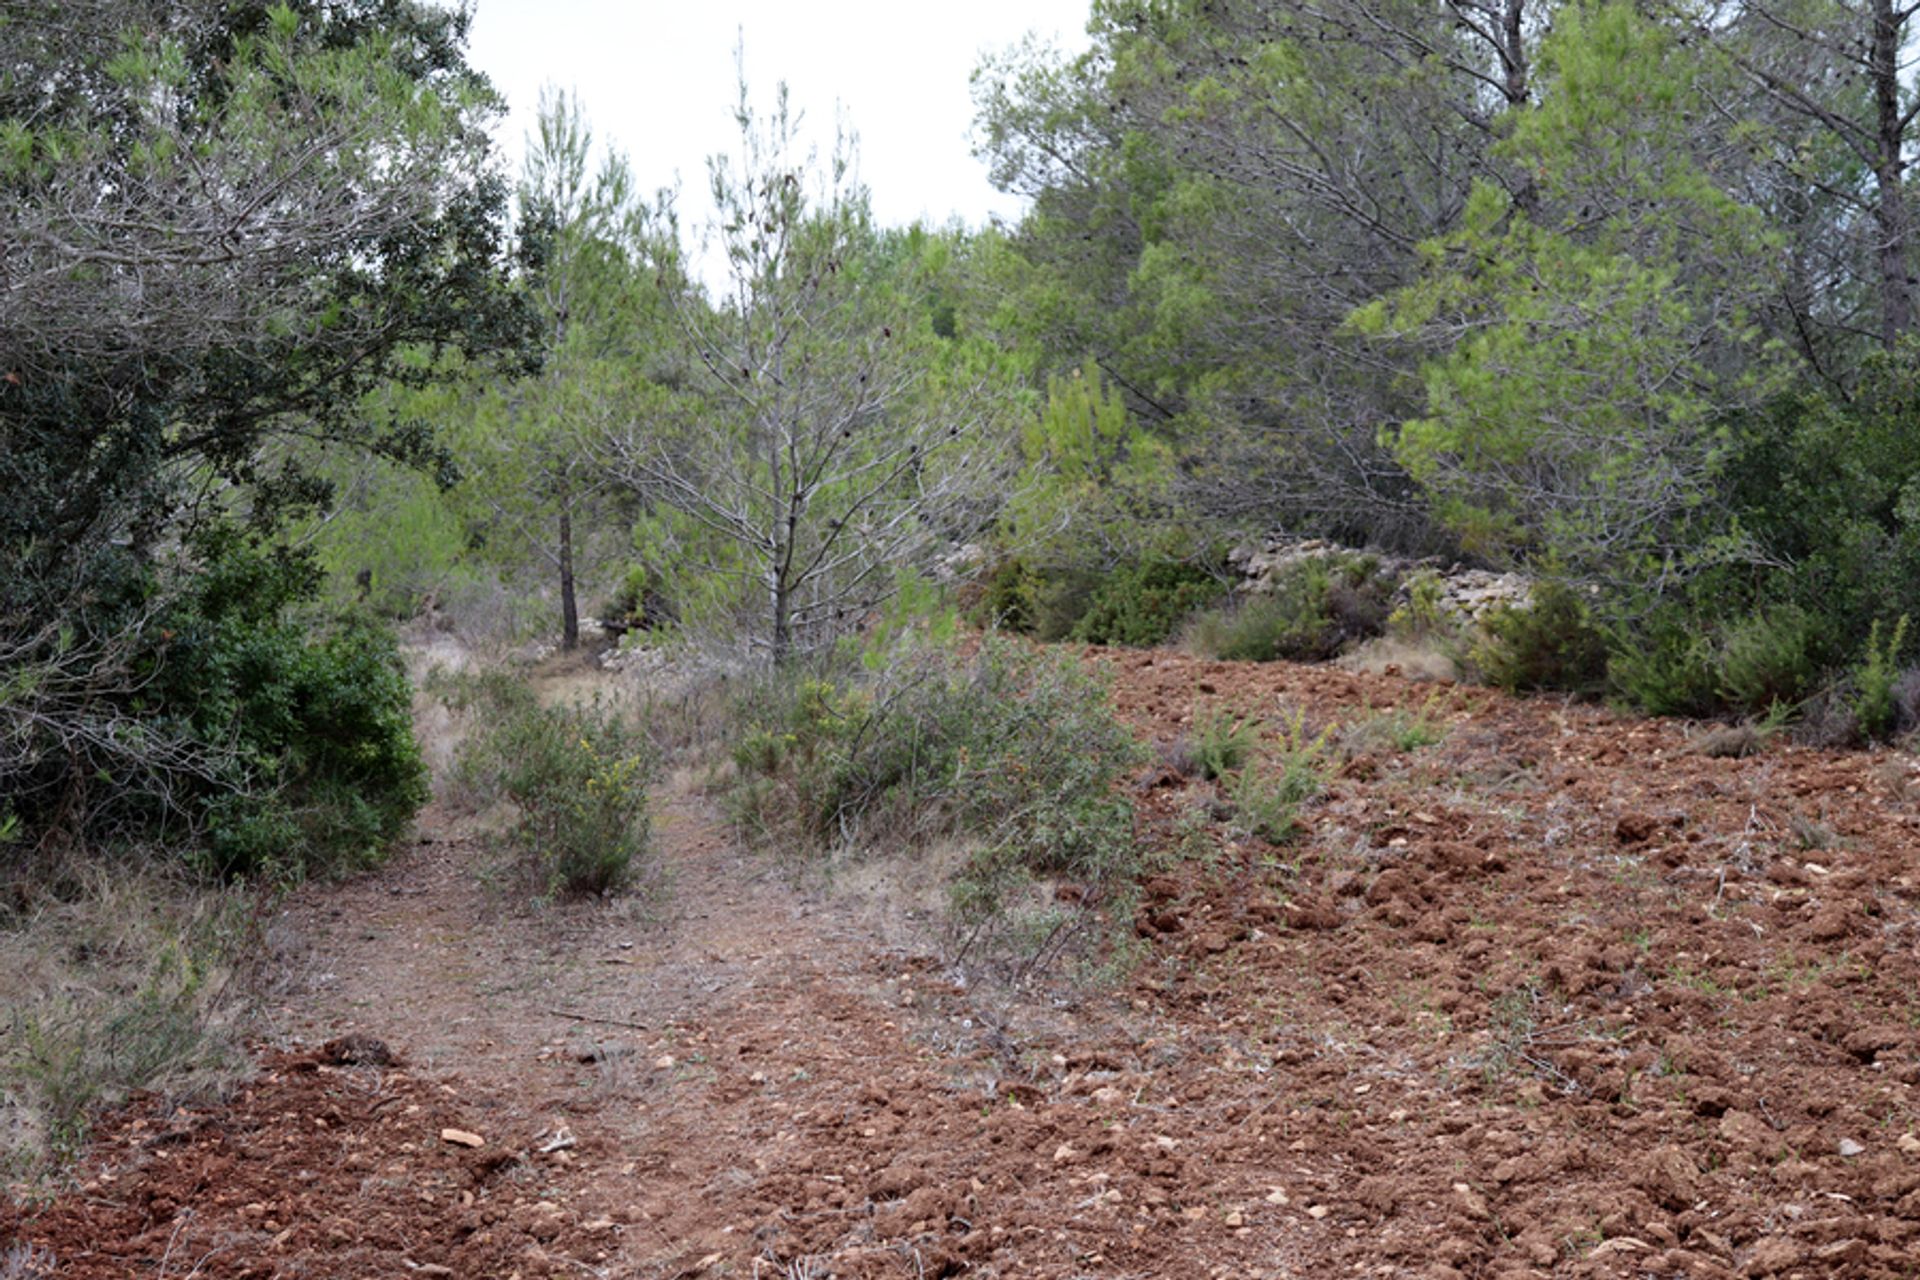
x=132 y=982
x=1416 y=659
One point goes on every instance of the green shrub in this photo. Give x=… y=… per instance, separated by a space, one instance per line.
x=1267 y=804
x=1398 y=729
x=577 y=777
x=1876 y=680
x=1550 y=644
x=1143 y=603
x=1424 y=614
x=1017 y=752
x=1767 y=657
x=236 y=727
x=1310 y=613
x=309 y=725
x=1668 y=665
x=1029 y=599
x=1221 y=742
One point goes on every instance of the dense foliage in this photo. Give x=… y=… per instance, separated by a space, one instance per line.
x=229 y=225
x=1618 y=294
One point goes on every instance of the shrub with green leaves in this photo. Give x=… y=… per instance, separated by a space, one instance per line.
x=1018 y=753
x=1145 y=602
x=1221 y=742
x=1768 y=657
x=1312 y=612
x=1876 y=680
x=577 y=777
x=1267 y=803
x=1552 y=643
x=304 y=724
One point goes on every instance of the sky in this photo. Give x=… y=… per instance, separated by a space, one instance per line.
x=657 y=80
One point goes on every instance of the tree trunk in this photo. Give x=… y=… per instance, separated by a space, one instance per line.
x=1890 y=209
x=569 y=606
x=780 y=595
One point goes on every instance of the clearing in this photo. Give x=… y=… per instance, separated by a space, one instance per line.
x=1556 y=995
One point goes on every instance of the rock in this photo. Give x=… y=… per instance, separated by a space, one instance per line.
x=1849 y=1254
x=1849 y=1148
x=1635 y=828
x=1620 y=1244
x=542 y=1220
x=1909 y=1144
x=1473 y=1202
x=1774 y=1254
x=1869 y=1043
x=1380 y=1194
x=461 y=1138
x=1318 y=1211
x=1668 y=1175
x=1744 y=1130
x=1311 y=914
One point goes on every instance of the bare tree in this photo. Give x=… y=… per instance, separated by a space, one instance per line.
x=831 y=442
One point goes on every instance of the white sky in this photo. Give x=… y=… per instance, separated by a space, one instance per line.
x=656 y=80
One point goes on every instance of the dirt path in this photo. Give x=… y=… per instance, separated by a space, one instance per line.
x=1555 y=995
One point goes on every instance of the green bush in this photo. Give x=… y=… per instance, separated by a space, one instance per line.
x=231 y=724
x=1221 y=742
x=309 y=726
x=1017 y=752
x=1550 y=644
x=1144 y=603
x=577 y=777
x=1876 y=680
x=1028 y=599
x=1267 y=804
x=1311 y=613
x=1767 y=657
x=1667 y=670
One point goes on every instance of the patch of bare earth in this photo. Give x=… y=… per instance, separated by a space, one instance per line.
x=1557 y=996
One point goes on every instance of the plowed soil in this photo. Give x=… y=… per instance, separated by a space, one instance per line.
x=1556 y=995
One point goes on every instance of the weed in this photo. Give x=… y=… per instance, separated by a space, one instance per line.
x=1269 y=806
x=1221 y=742
x=1810 y=835
x=1876 y=680
x=27 y=1262
x=1399 y=729
x=1310 y=613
